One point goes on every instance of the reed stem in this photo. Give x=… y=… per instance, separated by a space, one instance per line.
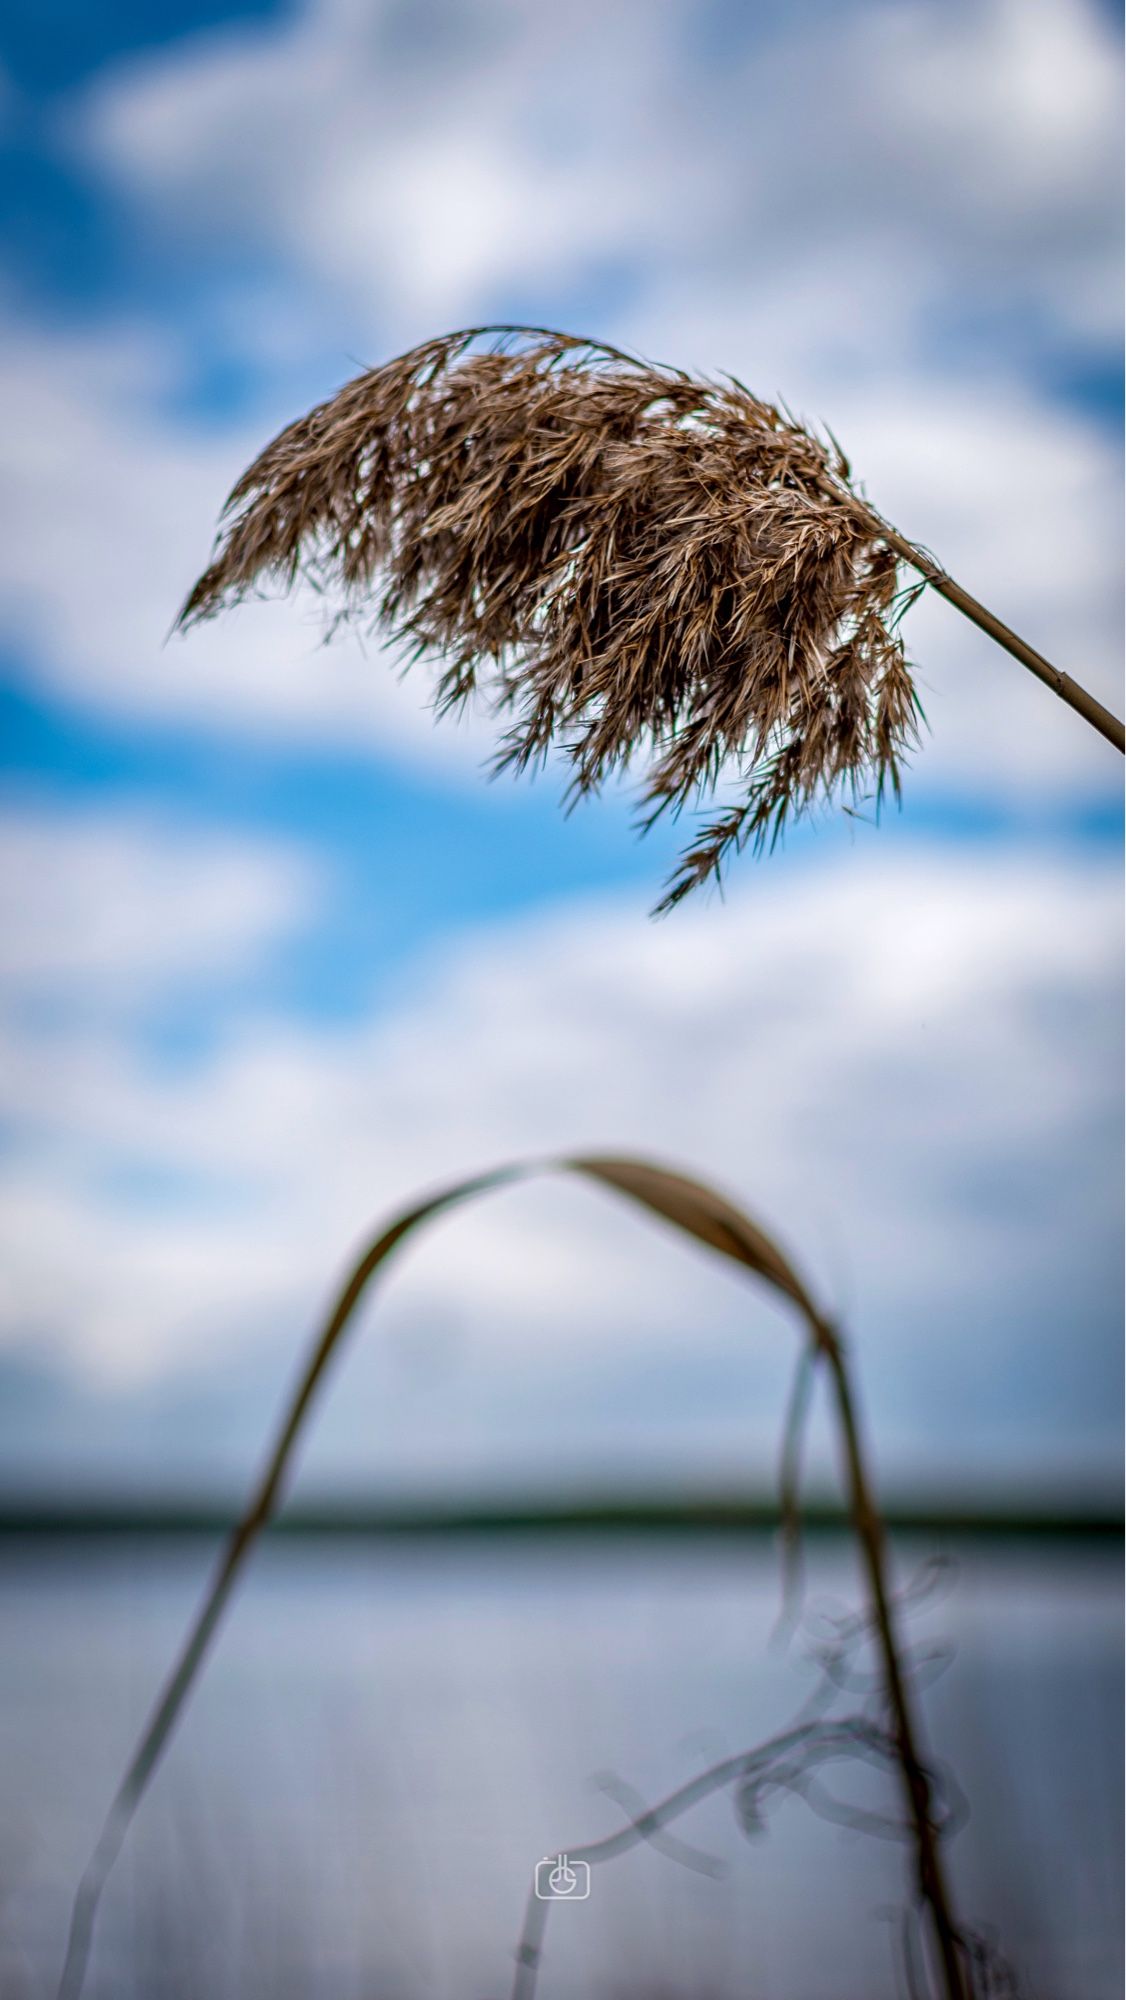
x=870 y=1535
x=1068 y=690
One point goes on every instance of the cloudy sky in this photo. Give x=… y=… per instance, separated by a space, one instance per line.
x=275 y=955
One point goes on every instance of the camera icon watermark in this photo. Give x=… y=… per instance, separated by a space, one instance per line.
x=561 y=1881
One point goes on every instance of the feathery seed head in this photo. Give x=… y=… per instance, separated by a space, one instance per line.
x=630 y=561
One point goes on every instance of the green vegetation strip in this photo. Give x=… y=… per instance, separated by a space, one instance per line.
x=645 y=1516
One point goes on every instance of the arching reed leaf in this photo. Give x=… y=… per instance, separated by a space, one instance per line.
x=690 y=1206
x=698 y=1210
x=710 y=1219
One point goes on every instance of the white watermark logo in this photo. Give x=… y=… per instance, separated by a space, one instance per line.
x=561 y=1881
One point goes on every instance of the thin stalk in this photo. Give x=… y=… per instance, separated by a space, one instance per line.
x=870 y=1535
x=1068 y=690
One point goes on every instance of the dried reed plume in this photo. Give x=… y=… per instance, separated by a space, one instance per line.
x=648 y=565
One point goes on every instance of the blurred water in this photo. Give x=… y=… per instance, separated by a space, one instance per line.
x=390 y=1735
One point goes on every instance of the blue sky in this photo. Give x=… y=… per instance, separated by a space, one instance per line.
x=276 y=953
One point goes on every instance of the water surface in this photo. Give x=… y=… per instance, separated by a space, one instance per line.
x=389 y=1735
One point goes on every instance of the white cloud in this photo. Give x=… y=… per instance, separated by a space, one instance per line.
x=107 y=909
x=901 y=1062
x=950 y=146
x=428 y=173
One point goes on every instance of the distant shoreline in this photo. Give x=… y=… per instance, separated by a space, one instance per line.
x=642 y=1515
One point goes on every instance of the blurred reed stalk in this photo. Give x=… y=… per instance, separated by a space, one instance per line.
x=786 y=1763
x=706 y=1216
x=634 y=564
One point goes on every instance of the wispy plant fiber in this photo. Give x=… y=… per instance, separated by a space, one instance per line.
x=636 y=565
